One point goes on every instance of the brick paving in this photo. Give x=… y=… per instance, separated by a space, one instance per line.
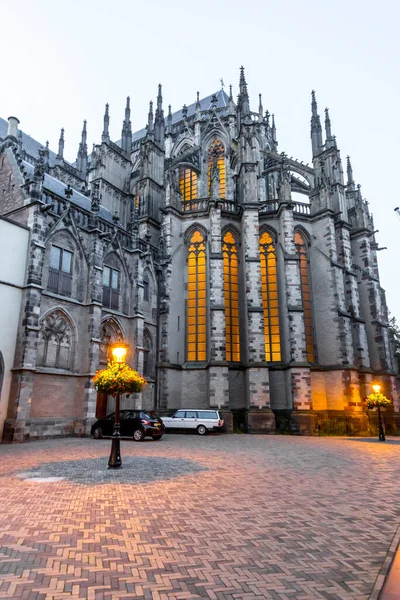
x=220 y=517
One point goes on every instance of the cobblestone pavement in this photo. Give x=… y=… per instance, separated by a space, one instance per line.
x=219 y=517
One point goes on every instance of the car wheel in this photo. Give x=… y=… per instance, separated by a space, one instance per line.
x=157 y=437
x=97 y=433
x=202 y=430
x=138 y=435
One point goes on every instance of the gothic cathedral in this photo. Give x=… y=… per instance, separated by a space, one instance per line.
x=241 y=278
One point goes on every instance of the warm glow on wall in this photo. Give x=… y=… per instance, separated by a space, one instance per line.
x=231 y=294
x=197 y=299
x=301 y=249
x=217 y=149
x=270 y=300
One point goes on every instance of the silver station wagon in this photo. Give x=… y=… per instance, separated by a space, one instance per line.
x=198 y=420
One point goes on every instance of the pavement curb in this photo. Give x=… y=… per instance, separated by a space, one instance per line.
x=387 y=563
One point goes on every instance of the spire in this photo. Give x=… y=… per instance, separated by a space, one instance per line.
x=84 y=137
x=159 y=124
x=126 y=135
x=198 y=107
x=150 y=118
x=242 y=83
x=128 y=110
x=198 y=101
x=159 y=98
x=273 y=128
x=316 y=129
x=105 y=137
x=330 y=140
x=81 y=161
x=169 y=120
x=61 y=145
x=243 y=103
x=260 y=109
x=327 y=125
x=350 y=180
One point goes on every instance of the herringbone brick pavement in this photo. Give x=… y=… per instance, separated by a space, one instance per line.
x=221 y=517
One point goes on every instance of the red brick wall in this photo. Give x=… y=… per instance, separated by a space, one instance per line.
x=57 y=396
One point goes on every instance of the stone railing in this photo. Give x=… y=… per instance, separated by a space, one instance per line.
x=201 y=204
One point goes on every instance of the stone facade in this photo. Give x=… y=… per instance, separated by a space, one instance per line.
x=288 y=338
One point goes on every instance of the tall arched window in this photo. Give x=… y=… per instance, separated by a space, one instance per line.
x=270 y=300
x=197 y=298
x=147 y=354
x=216 y=156
x=301 y=249
x=231 y=294
x=188 y=183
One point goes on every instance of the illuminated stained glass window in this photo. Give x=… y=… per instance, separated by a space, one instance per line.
x=188 y=183
x=231 y=293
x=197 y=298
x=216 y=153
x=269 y=282
x=301 y=249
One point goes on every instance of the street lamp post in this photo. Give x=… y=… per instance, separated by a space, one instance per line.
x=377 y=388
x=118 y=351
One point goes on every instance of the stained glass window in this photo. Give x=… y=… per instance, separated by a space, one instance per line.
x=188 y=183
x=216 y=153
x=270 y=301
x=197 y=298
x=301 y=249
x=231 y=294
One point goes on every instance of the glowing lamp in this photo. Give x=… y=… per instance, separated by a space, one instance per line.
x=376 y=387
x=118 y=351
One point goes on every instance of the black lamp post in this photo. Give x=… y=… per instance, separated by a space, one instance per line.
x=377 y=388
x=118 y=351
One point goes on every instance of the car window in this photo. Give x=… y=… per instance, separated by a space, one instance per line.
x=191 y=414
x=209 y=414
x=179 y=414
x=130 y=414
x=149 y=414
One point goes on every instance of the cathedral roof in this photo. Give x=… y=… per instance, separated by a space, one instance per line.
x=30 y=145
x=55 y=186
x=205 y=104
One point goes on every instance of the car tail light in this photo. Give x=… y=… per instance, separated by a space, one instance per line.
x=220 y=423
x=145 y=422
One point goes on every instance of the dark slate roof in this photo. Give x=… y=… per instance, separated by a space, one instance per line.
x=205 y=104
x=30 y=145
x=58 y=187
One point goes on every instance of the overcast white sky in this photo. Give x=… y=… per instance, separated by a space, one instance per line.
x=62 y=61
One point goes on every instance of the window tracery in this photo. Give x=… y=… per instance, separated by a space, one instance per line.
x=216 y=158
x=197 y=298
x=231 y=295
x=55 y=343
x=302 y=252
x=270 y=300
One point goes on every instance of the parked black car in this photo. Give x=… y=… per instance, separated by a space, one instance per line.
x=136 y=423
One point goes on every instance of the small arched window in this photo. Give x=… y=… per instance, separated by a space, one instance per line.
x=55 y=343
x=231 y=295
x=197 y=298
x=301 y=250
x=216 y=158
x=188 y=183
x=270 y=301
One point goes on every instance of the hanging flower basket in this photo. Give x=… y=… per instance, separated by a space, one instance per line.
x=377 y=399
x=118 y=379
